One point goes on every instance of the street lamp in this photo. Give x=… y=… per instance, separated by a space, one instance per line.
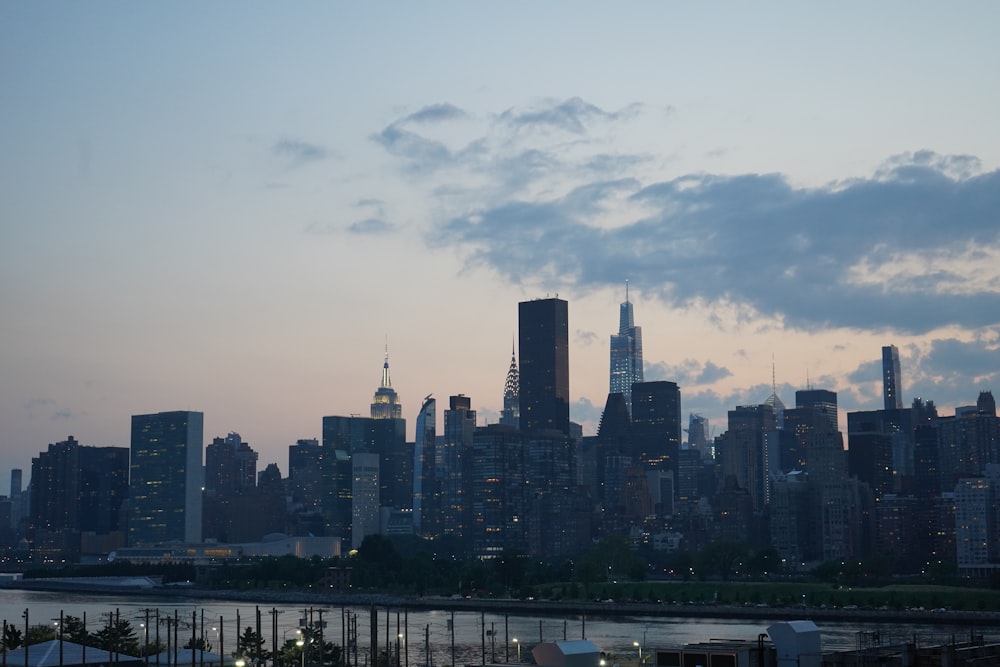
x=302 y=649
x=517 y=644
x=638 y=649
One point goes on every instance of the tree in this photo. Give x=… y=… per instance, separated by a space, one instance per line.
x=250 y=645
x=117 y=636
x=722 y=559
x=198 y=644
x=12 y=638
x=611 y=559
x=74 y=630
x=39 y=633
x=153 y=647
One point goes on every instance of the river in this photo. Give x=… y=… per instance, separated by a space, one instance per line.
x=615 y=635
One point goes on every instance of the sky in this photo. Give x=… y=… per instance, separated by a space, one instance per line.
x=237 y=207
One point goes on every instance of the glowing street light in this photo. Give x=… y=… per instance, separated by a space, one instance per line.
x=518 y=645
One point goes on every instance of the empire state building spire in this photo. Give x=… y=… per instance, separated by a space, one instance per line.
x=385 y=404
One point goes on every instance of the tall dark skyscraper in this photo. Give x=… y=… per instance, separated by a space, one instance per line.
x=15 y=483
x=166 y=478
x=454 y=465
x=814 y=415
x=305 y=474
x=543 y=345
x=892 y=384
x=626 y=353
x=822 y=401
x=656 y=424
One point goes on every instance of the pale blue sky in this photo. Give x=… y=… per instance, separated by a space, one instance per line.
x=227 y=207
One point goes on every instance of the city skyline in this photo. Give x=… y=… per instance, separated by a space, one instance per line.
x=235 y=226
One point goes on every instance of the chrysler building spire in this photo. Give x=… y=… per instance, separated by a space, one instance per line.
x=511 y=405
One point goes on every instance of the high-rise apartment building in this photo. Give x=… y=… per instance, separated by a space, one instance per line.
x=231 y=506
x=365 y=505
x=76 y=490
x=543 y=347
x=230 y=465
x=165 y=486
x=426 y=487
x=748 y=455
x=977 y=523
x=626 y=353
x=454 y=465
x=498 y=493
x=305 y=474
x=892 y=385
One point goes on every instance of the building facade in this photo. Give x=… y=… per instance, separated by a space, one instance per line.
x=166 y=478
x=543 y=347
x=626 y=353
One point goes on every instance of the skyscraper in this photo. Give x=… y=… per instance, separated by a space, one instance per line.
x=305 y=474
x=76 y=490
x=230 y=465
x=166 y=478
x=815 y=412
x=543 y=345
x=454 y=465
x=748 y=453
x=626 y=353
x=892 y=384
x=385 y=403
x=343 y=439
x=656 y=424
x=497 y=490
x=426 y=487
x=15 y=483
x=510 y=416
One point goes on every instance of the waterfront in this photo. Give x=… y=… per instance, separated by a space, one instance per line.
x=474 y=643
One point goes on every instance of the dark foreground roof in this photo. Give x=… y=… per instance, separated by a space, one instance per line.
x=46 y=654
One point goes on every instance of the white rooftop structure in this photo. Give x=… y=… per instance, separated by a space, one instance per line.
x=573 y=653
x=796 y=643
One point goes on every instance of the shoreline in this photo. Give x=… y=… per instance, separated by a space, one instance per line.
x=526 y=607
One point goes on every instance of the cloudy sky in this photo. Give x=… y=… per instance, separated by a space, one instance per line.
x=231 y=207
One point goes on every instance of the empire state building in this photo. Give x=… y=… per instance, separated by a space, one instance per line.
x=385 y=404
